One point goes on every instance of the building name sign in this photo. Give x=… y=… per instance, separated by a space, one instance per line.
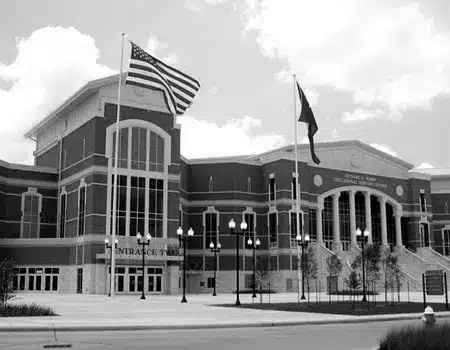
x=169 y=253
x=360 y=180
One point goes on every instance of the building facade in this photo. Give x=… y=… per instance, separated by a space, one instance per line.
x=55 y=215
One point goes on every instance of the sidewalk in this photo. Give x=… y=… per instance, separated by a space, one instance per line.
x=127 y=312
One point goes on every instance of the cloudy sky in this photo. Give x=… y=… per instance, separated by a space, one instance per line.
x=375 y=71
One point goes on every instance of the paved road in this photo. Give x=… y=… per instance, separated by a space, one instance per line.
x=341 y=336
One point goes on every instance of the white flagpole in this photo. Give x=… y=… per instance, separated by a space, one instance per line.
x=297 y=190
x=116 y=161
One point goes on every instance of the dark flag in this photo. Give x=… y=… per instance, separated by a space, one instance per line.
x=148 y=72
x=307 y=116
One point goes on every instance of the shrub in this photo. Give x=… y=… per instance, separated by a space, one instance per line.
x=351 y=292
x=250 y=291
x=25 y=310
x=415 y=338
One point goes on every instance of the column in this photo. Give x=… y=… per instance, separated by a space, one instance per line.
x=336 y=235
x=368 y=215
x=398 y=228
x=352 y=218
x=319 y=222
x=383 y=222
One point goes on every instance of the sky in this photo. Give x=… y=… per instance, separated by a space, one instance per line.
x=373 y=71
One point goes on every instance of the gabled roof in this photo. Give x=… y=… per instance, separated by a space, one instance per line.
x=87 y=90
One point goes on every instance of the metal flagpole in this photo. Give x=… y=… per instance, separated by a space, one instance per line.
x=116 y=161
x=297 y=191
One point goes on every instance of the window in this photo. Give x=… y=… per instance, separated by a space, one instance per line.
x=294 y=187
x=446 y=208
x=62 y=215
x=121 y=212
x=180 y=219
x=210 y=184
x=81 y=209
x=31 y=210
x=137 y=206
x=155 y=207
x=210 y=282
x=249 y=185
x=327 y=221
x=273 y=227
x=293 y=224
x=138 y=148
x=84 y=148
x=65 y=159
x=272 y=188
x=422 y=202
x=248 y=282
x=344 y=219
x=312 y=224
x=250 y=231
x=211 y=228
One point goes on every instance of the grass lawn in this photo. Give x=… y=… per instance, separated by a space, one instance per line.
x=345 y=308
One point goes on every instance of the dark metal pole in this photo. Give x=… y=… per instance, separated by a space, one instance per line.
x=110 y=262
x=303 y=272
x=446 y=291
x=183 y=241
x=423 y=291
x=254 y=270
x=237 y=270
x=215 y=269
x=364 y=274
x=143 y=269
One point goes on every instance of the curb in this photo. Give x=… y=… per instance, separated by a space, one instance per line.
x=131 y=327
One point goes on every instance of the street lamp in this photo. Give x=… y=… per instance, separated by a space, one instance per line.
x=215 y=251
x=143 y=243
x=363 y=237
x=254 y=245
x=110 y=247
x=183 y=239
x=302 y=241
x=231 y=226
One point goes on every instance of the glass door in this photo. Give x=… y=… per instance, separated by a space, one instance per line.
x=446 y=242
x=155 y=280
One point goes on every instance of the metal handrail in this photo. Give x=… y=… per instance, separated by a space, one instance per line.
x=415 y=256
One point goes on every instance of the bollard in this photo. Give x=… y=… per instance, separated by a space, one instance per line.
x=428 y=318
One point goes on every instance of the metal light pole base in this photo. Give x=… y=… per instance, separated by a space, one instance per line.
x=214 y=294
x=238 y=303
x=303 y=297
x=142 y=297
x=184 y=300
x=364 y=299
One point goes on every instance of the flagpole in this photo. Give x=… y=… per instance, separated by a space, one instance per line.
x=116 y=162
x=297 y=191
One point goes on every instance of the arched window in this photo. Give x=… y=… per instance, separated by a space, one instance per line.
x=31 y=213
x=210 y=184
x=81 y=208
x=62 y=213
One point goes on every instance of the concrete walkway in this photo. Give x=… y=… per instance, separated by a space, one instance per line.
x=127 y=312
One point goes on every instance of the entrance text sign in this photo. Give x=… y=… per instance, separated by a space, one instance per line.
x=361 y=180
x=434 y=282
x=169 y=252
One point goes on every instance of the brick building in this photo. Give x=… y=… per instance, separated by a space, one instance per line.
x=55 y=215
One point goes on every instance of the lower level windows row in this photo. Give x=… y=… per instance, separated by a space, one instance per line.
x=36 y=279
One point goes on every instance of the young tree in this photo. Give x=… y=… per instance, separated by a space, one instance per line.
x=309 y=266
x=334 y=268
x=372 y=259
x=353 y=282
x=7 y=275
x=388 y=263
x=262 y=274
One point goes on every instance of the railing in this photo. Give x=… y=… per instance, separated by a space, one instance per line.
x=413 y=256
x=345 y=246
x=328 y=245
x=439 y=256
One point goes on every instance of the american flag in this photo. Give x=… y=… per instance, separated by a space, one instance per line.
x=148 y=72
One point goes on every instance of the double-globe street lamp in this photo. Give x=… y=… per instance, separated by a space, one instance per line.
x=254 y=245
x=363 y=238
x=231 y=226
x=143 y=243
x=183 y=239
x=215 y=250
x=302 y=241
x=110 y=247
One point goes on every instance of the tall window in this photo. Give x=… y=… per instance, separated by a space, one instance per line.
x=273 y=227
x=137 y=206
x=446 y=208
x=344 y=218
x=138 y=148
x=249 y=185
x=327 y=221
x=294 y=187
x=81 y=209
x=376 y=220
x=272 y=188
x=84 y=148
x=31 y=212
x=422 y=202
x=156 y=209
x=250 y=231
x=121 y=204
x=210 y=184
x=360 y=210
x=293 y=225
x=312 y=224
x=62 y=215
x=211 y=228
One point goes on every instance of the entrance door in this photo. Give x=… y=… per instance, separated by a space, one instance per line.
x=80 y=281
x=446 y=242
x=135 y=279
x=155 y=279
x=424 y=235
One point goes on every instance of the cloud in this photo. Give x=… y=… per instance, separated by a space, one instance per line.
x=361 y=114
x=424 y=165
x=385 y=149
x=234 y=137
x=385 y=54
x=51 y=64
x=157 y=48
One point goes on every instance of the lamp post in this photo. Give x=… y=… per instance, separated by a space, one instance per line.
x=143 y=243
x=254 y=245
x=215 y=250
x=231 y=226
x=183 y=239
x=110 y=247
x=303 y=241
x=363 y=237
